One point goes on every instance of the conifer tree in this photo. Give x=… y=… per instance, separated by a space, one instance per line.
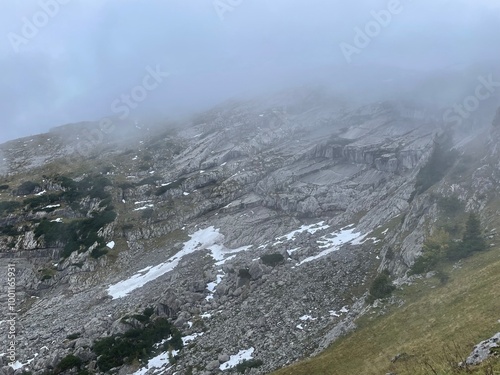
x=472 y=239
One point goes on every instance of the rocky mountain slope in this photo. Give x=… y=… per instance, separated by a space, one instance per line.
x=252 y=231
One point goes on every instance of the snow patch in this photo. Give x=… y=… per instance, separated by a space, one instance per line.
x=18 y=365
x=111 y=244
x=160 y=363
x=307 y=317
x=204 y=239
x=211 y=287
x=312 y=228
x=334 y=241
x=53 y=206
x=219 y=253
x=142 y=202
x=190 y=338
x=234 y=360
x=144 y=207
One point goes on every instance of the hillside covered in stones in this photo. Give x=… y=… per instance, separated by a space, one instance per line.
x=247 y=237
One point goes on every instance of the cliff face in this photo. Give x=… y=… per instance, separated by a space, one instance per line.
x=181 y=220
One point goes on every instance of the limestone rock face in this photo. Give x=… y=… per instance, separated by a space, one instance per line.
x=328 y=187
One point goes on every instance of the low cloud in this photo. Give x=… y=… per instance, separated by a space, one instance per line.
x=67 y=60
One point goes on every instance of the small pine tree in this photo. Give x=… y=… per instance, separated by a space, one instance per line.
x=434 y=250
x=472 y=240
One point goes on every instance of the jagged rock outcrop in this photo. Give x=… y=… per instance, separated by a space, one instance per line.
x=484 y=350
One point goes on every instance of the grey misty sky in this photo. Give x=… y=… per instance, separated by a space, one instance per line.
x=93 y=51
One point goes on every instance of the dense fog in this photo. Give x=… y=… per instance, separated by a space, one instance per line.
x=67 y=61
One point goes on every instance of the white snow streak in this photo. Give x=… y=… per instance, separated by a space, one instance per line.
x=334 y=241
x=204 y=239
x=234 y=360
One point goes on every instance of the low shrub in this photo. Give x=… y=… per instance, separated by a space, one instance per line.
x=98 y=252
x=162 y=190
x=9 y=207
x=68 y=362
x=472 y=240
x=73 y=336
x=244 y=273
x=135 y=344
x=66 y=182
x=247 y=364
x=272 y=260
x=42 y=200
x=442 y=276
x=9 y=230
x=27 y=187
x=147 y=213
x=50 y=230
x=78 y=234
x=381 y=287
